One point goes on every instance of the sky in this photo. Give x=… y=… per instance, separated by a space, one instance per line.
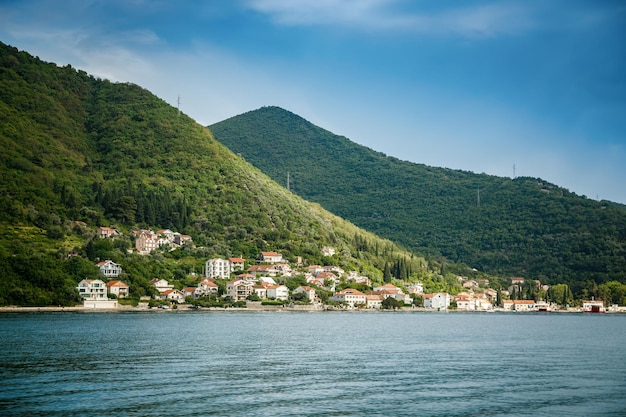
x=509 y=88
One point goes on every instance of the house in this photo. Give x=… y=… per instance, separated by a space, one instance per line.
x=416 y=288
x=190 y=292
x=93 y=290
x=265 y=270
x=470 y=284
x=173 y=295
x=270 y=257
x=349 y=296
x=388 y=289
x=278 y=292
x=438 y=301
x=465 y=303
x=146 y=241
x=107 y=232
x=236 y=264
x=523 y=305
x=109 y=269
x=373 y=301
x=354 y=276
x=206 y=287
x=161 y=285
x=260 y=290
x=517 y=281
x=119 y=288
x=307 y=291
x=218 y=268
x=239 y=289
x=181 y=240
x=94 y=294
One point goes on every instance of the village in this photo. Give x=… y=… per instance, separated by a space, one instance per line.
x=262 y=283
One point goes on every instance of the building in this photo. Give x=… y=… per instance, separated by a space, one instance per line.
x=161 y=285
x=206 y=287
x=373 y=301
x=437 y=301
x=218 y=268
x=119 y=288
x=93 y=290
x=593 y=306
x=308 y=292
x=278 y=292
x=106 y=232
x=270 y=257
x=109 y=269
x=236 y=264
x=349 y=296
x=239 y=289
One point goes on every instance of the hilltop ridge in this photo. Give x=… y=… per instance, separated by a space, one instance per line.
x=79 y=152
x=523 y=226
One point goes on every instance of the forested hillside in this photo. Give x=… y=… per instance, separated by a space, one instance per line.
x=77 y=152
x=516 y=227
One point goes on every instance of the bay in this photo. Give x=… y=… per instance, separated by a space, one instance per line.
x=312 y=364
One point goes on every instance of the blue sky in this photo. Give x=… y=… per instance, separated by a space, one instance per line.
x=476 y=85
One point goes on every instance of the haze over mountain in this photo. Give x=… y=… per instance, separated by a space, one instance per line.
x=520 y=227
x=77 y=152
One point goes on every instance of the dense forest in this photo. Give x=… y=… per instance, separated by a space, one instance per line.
x=513 y=227
x=78 y=152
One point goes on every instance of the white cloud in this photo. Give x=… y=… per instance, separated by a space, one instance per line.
x=483 y=20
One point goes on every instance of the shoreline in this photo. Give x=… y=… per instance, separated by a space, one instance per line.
x=143 y=307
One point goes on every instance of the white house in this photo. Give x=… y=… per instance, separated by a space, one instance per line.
x=307 y=291
x=278 y=292
x=119 y=288
x=349 y=296
x=173 y=295
x=218 y=268
x=373 y=301
x=92 y=289
x=161 y=285
x=416 y=288
x=270 y=257
x=106 y=232
x=206 y=287
x=109 y=269
x=236 y=264
x=437 y=301
x=523 y=305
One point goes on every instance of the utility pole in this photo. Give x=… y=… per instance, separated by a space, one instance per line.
x=513 y=171
x=178 y=105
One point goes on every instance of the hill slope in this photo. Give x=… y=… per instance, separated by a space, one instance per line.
x=79 y=152
x=524 y=227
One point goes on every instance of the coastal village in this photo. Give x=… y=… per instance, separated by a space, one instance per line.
x=262 y=284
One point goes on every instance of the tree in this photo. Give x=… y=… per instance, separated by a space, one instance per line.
x=387 y=273
x=391 y=303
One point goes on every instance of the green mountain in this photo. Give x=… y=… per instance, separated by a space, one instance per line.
x=521 y=227
x=77 y=152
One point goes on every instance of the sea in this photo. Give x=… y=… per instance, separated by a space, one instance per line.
x=208 y=363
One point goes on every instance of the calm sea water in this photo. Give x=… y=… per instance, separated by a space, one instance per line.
x=312 y=364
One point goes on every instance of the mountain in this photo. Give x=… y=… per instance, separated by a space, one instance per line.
x=516 y=227
x=78 y=152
